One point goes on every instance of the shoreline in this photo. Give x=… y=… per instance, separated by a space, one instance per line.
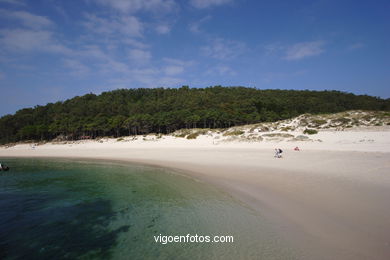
x=328 y=204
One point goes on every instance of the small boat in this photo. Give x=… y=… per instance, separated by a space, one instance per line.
x=3 y=167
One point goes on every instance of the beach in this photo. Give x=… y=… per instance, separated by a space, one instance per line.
x=330 y=199
x=134 y=129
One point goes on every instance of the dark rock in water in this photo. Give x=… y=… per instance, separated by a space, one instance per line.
x=4 y=168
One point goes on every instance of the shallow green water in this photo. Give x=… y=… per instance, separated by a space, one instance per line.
x=63 y=209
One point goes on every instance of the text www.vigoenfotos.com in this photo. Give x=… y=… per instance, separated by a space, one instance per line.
x=165 y=239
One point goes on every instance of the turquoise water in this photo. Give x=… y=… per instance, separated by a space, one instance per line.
x=67 y=209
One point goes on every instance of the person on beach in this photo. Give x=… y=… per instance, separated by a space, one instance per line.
x=278 y=153
x=296 y=149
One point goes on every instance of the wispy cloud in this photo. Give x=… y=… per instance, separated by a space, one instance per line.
x=185 y=63
x=107 y=36
x=355 y=46
x=195 y=27
x=32 y=33
x=222 y=70
x=167 y=74
x=304 y=49
x=31 y=40
x=76 y=67
x=274 y=48
x=24 y=39
x=135 y=43
x=140 y=56
x=175 y=66
x=132 y=6
x=145 y=78
x=223 y=49
x=208 y=3
x=173 y=70
x=93 y=52
x=27 y=19
x=61 y=11
x=125 y=25
x=14 y=2
x=163 y=28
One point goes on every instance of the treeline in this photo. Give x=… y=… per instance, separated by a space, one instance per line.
x=142 y=111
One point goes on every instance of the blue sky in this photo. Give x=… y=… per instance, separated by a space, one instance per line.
x=51 y=50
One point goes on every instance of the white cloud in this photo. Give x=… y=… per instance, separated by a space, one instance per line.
x=147 y=77
x=125 y=25
x=355 y=46
x=92 y=52
x=135 y=43
x=114 y=65
x=76 y=67
x=165 y=75
x=195 y=27
x=140 y=56
x=274 y=48
x=225 y=70
x=223 y=49
x=34 y=34
x=173 y=70
x=175 y=66
x=131 y=6
x=184 y=63
x=61 y=10
x=15 y=2
x=24 y=39
x=27 y=19
x=221 y=70
x=304 y=49
x=163 y=29
x=31 y=40
x=208 y=3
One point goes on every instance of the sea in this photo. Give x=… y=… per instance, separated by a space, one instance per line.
x=94 y=209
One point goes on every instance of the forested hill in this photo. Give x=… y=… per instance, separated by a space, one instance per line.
x=142 y=111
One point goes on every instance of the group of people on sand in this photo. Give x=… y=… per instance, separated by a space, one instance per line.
x=278 y=152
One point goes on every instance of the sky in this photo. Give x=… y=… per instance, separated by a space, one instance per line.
x=52 y=50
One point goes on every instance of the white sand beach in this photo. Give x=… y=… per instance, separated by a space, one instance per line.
x=331 y=199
